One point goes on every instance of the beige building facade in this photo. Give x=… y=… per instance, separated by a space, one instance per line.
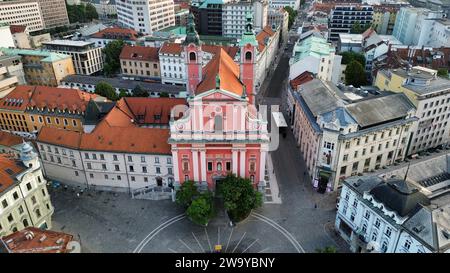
x=22 y=13
x=54 y=13
x=24 y=199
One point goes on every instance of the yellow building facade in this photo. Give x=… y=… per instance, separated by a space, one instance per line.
x=43 y=67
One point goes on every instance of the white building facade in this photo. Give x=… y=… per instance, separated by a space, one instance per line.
x=87 y=57
x=22 y=13
x=295 y=4
x=234 y=16
x=146 y=16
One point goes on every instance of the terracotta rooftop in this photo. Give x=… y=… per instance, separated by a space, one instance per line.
x=152 y=110
x=139 y=53
x=24 y=96
x=35 y=240
x=119 y=131
x=171 y=48
x=116 y=33
x=176 y=49
x=227 y=70
x=17 y=28
x=8 y=139
x=301 y=79
x=130 y=139
x=261 y=37
x=9 y=168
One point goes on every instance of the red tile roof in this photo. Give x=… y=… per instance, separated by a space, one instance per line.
x=171 y=48
x=301 y=79
x=144 y=110
x=129 y=139
x=8 y=139
x=224 y=66
x=176 y=49
x=119 y=131
x=17 y=28
x=9 y=168
x=35 y=240
x=116 y=33
x=24 y=96
x=139 y=53
x=261 y=37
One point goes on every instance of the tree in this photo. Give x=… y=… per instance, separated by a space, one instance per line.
x=123 y=93
x=187 y=192
x=106 y=90
x=355 y=74
x=90 y=12
x=82 y=13
x=349 y=56
x=138 y=91
x=327 y=249
x=201 y=209
x=239 y=197
x=443 y=72
x=163 y=95
x=357 y=28
x=112 y=52
x=292 y=15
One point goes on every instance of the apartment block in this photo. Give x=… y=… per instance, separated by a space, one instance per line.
x=22 y=12
x=86 y=56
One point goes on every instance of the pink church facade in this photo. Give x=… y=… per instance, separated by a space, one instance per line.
x=221 y=131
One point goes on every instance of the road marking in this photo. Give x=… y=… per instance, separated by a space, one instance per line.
x=239 y=242
x=154 y=232
x=229 y=238
x=207 y=237
x=283 y=231
x=201 y=247
x=250 y=245
x=186 y=245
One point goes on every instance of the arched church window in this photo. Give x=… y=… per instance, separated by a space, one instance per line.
x=192 y=56
x=248 y=56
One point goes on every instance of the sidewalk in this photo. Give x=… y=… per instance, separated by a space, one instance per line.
x=272 y=190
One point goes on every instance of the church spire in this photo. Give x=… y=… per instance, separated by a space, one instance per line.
x=192 y=36
x=248 y=37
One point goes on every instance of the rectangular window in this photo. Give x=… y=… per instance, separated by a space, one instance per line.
x=158 y=170
x=210 y=166
x=144 y=169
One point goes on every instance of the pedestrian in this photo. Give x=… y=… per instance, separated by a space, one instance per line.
x=315 y=205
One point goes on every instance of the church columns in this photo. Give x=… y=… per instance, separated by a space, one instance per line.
x=242 y=165
x=176 y=172
x=234 y=162
x=203 y=164
x=195 y=164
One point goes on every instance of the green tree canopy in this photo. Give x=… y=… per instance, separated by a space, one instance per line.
x=443 y=72
x=112 y=52
x=355 y=74
x=163 y=95
x=138 y=91
x=82 y=13
x=357 y=28
x=187 y=192
x=292 y=15
x=201 y=209
x=106 y=90
x=239 y=197
x=349 y=56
